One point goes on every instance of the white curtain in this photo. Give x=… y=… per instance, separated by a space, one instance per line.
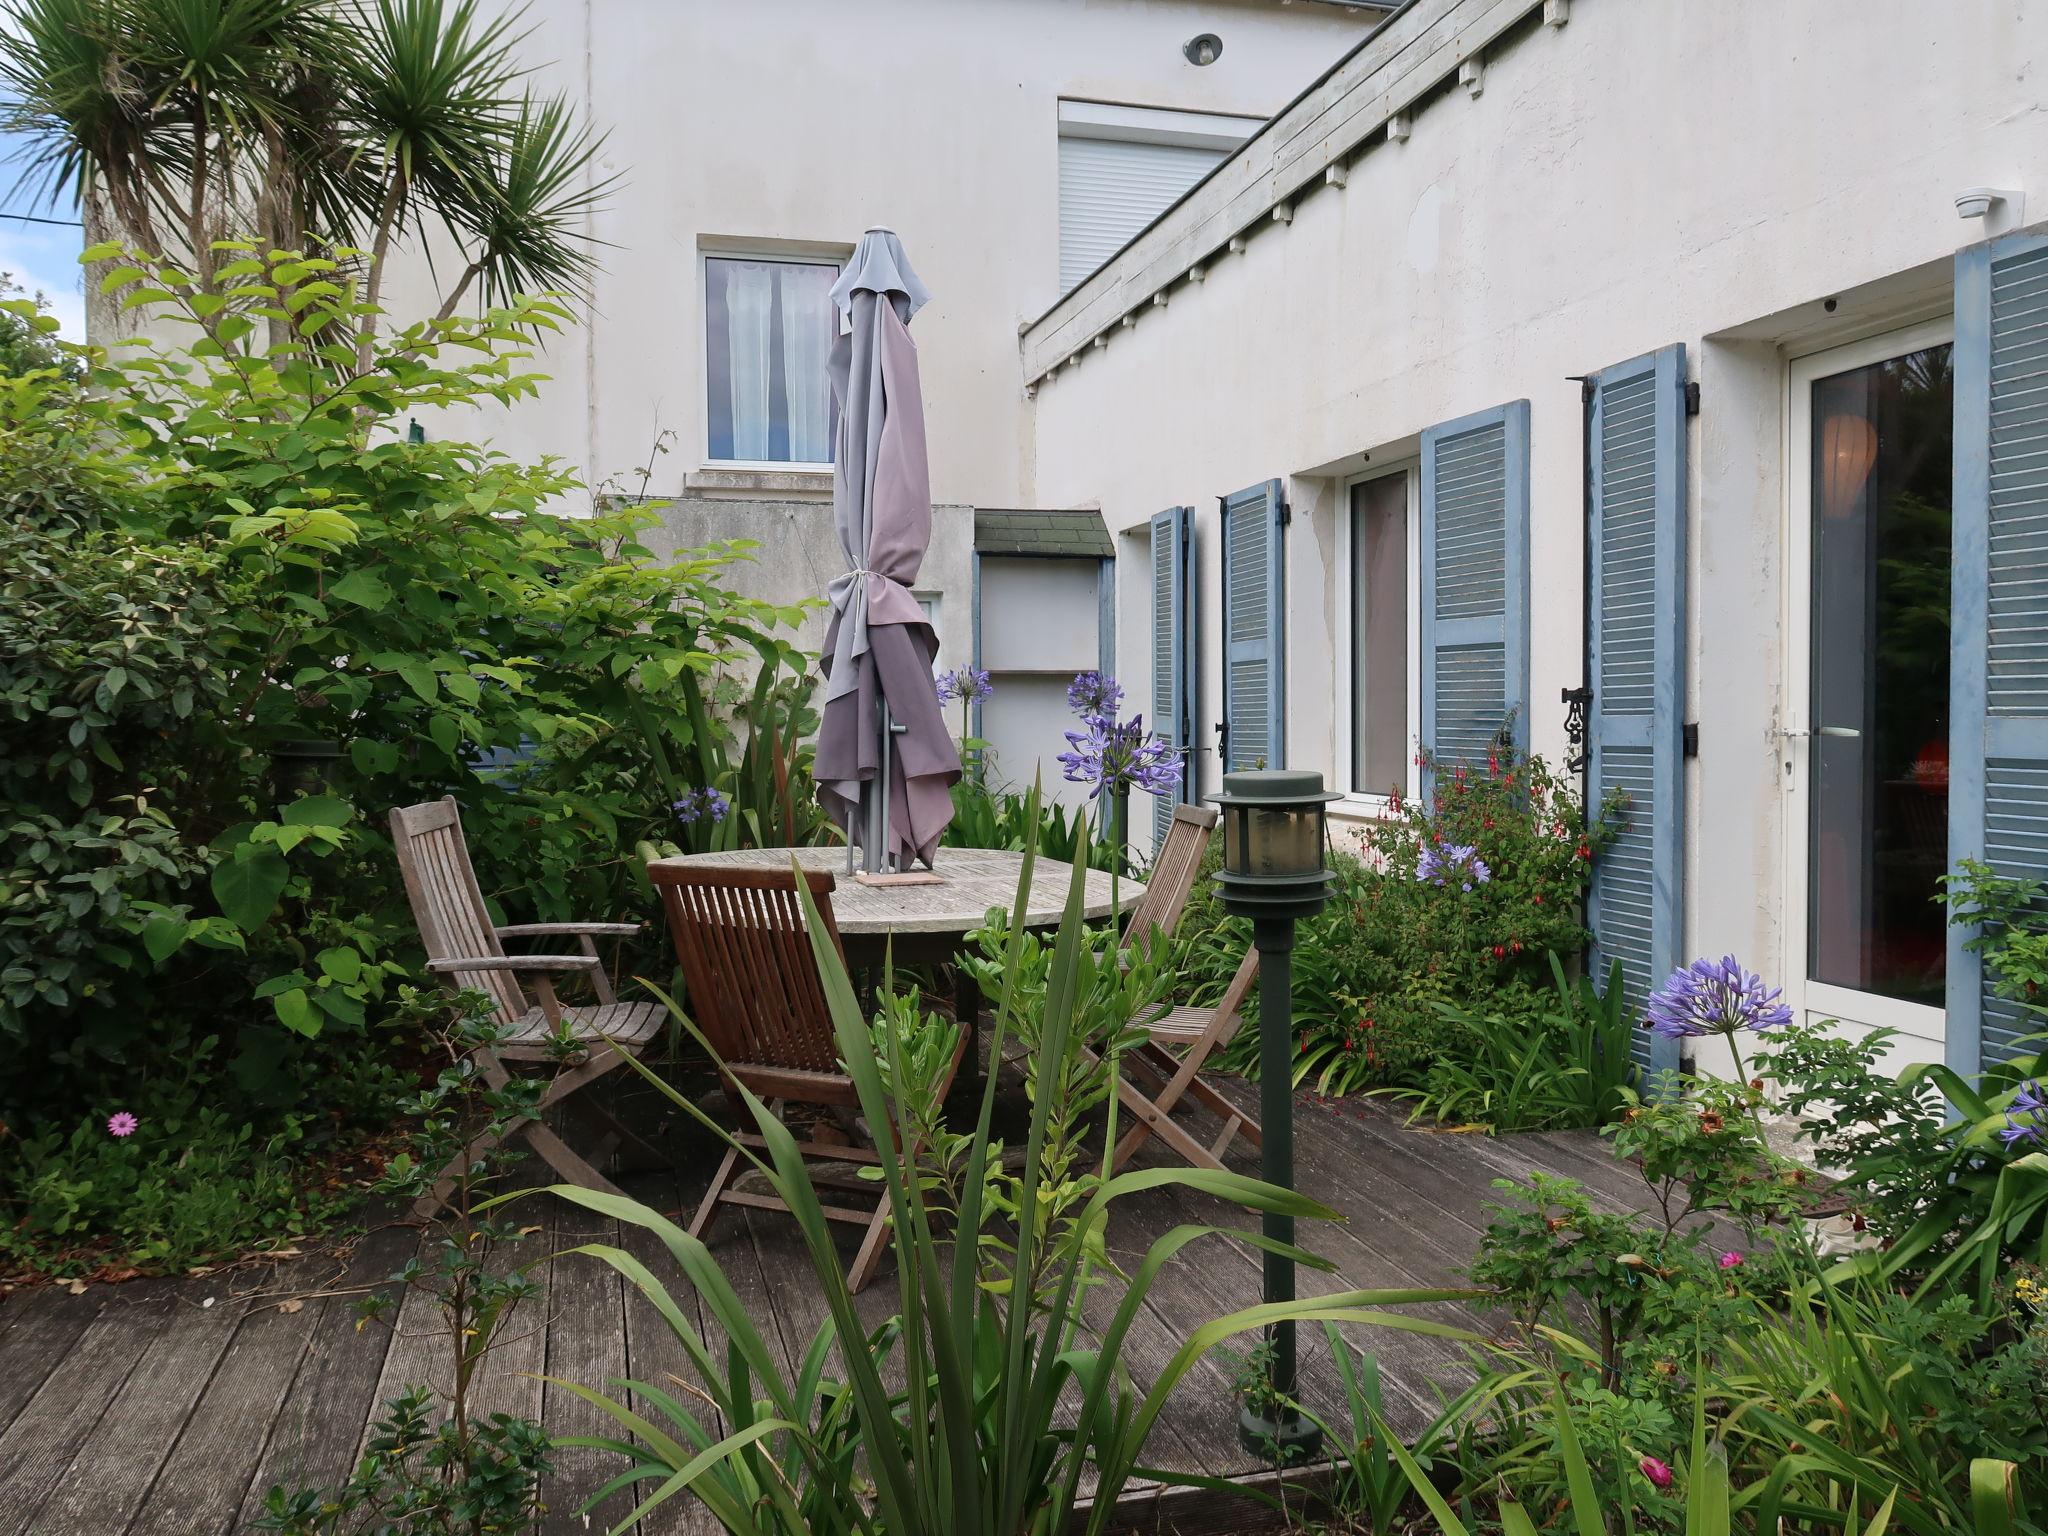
x=749 y=297
x=807 y=327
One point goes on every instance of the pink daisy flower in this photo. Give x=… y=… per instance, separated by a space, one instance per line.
x=122 y=1124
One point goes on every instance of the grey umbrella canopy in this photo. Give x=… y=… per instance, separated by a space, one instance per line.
x=885 y=763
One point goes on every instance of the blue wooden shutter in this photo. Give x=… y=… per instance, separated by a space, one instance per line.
x=1475 y=584
x=1635 y=498
x=1998 y=670
x=1174 y=690
x=1254 y=652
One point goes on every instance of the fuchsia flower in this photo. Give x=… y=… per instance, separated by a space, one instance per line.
x=1658 y=1472
x=122 y=1124
x=1731 y=1260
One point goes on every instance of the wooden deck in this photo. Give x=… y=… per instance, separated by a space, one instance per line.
x=167 y=1409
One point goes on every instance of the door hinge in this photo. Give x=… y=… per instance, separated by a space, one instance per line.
x=1691 y=738
x=1692 y=397
x=1284 y=513
x=1586 y=388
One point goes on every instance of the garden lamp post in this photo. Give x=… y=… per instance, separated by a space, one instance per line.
x=1273 y=873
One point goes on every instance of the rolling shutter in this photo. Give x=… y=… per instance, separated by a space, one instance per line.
x=1475 y=584
x=1254 y=691
x=1174 y=689
x=1998 y=678
x=1112 y=188
x=1635 y=500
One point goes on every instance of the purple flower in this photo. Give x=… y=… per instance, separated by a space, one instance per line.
x=1658 y=1472
x=1093 y=695
x=1715 y=997
x=705 y=804
x=1453 y=861
x=2027 y=1119
x=1116 y=757
x=121 y=1124
x=969 y=683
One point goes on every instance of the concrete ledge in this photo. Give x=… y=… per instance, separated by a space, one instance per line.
x=765 y=484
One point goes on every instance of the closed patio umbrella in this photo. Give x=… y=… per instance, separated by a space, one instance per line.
x=885 y=763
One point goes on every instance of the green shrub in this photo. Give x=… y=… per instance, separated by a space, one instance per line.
x=239 y=620
x=1404 y=963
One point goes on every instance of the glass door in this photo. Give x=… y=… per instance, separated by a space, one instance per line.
x=1865 y=742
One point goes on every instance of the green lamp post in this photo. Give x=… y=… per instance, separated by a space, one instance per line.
x=1273 y=873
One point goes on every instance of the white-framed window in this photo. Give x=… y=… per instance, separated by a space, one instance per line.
x=1121 y=167
x=1379 y=662
x=769 y=325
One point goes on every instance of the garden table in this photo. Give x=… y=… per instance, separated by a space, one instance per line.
x=929 y=924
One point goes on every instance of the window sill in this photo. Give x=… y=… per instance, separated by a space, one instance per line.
x=790 y=484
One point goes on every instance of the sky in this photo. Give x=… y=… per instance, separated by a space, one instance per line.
x=41 y=256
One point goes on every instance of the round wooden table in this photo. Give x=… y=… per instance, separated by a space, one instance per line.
x=929 y=924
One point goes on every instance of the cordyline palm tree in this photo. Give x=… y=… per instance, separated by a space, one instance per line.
x=361 y=123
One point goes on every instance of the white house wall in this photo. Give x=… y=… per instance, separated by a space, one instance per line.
x=1651 y=171
x=796 y=124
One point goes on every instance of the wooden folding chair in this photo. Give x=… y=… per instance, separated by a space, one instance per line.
x=1194 y=1033
x=751 y=983
x=1171 y=880
x=465 y=950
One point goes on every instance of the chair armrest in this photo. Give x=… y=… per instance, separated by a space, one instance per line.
x=516 y=963
x=539 y=930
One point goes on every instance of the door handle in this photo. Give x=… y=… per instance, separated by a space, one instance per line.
x=1845 y=732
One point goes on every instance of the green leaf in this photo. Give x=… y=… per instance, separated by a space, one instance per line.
x=248 y=885
x=318 y=811
x=444 y=733
x=164 y=936
x=366 y=589
x=372 y=756
x=295 y=1011
x=345 y=965
x=420 y=678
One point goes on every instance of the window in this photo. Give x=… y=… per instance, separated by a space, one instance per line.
x=1381 y=656
x=768 y=331
x=1880 y=475
x=1121 y=167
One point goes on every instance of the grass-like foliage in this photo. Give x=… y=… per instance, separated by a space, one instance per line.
x=984 y=1407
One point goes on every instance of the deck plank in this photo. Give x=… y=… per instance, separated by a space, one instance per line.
x=586 y=1344
x=42 y=1327
x=55 y=1422
x=233 y=1402
x=117 y=1463
x=320 y=1412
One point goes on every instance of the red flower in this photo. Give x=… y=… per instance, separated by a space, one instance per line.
x=1500 y=952
x=1585 y=852
x=1537 y=898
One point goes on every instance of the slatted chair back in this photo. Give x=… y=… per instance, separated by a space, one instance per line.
x=1171 y=879
x=751 y=979
x=447 y=903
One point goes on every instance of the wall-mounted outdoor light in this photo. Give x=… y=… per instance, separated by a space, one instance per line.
x=1203 y=49
x=1273 y=872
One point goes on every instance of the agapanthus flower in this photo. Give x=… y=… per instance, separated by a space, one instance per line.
x=1715 y=997
x=696 y=805
x=2027 y=1118
x=968 y=683
x=121 y=1124
x=1453 y=862
x=1116 y=757
x=1093 y=694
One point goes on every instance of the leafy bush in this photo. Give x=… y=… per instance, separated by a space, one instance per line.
x=1567 y=1067
x=239 y=621
x=1409 y=957
x=1000 y=818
